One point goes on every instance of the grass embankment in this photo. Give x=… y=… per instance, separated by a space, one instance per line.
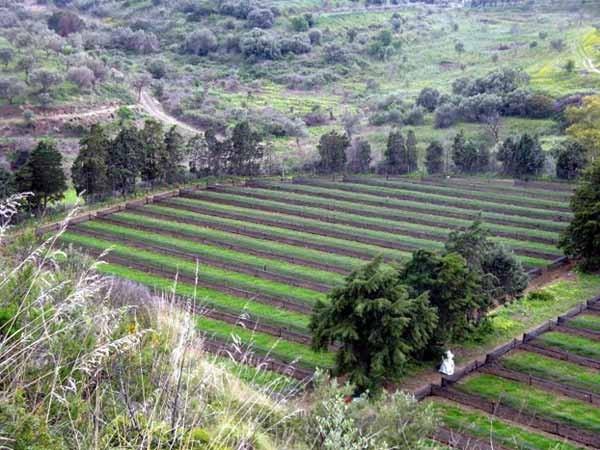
x=550 y=369
x=266 y=344
x=401 y=186
x=264 y=245
x=368 y=250
x=283 y=199
x=424 y=206
x=286 y=219
x=492 y=429
x=586 y=322
x=211 y=298
x=200 y=271
x=216 y=253
x=403 y=224
x=510 y=321
x=571 y=343
x=438 y=198
x=533 y=400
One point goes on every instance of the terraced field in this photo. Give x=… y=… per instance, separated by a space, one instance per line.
x=257 y=258
x=543 y=394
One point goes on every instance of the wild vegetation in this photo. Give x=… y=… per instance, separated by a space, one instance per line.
x=324 y=188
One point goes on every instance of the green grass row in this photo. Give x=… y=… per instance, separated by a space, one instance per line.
x=586 y=321
x=533 y=400
x=211 y=298
x=370 y=250
x=217 y=253
x=275 y=232
x=494 y=197
x=426 y=207
x=285 y=219
x=200 y=271
x=483 y=184
x=440 y=232
x=266 y=344
x=571 y=343
x=260 y=378
x=276 y=248
x=492 y=429
x=282 y=199
x=550 y=369
x=427 y=197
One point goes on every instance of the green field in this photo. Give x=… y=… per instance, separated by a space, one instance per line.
x=255 y=252
x=534 y=401
x=498 y=431
x=547 y=368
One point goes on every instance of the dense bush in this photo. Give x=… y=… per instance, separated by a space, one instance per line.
x=260 y=44
x=261 y=18
x=201 y=42
x=428 y=99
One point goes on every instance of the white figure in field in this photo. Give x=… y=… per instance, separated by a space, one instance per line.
x=447 y=367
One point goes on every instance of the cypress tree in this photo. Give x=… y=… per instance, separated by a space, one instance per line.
x=43 y=175
x=90 y=171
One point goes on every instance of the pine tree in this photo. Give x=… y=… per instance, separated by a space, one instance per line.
x=43 y=175
x=581 y=239
x=246 y=151
x=332 y=150
x=7 y=184
x=90 y=171
x=152 y=169
x=377 y=323
x=434 y=158
x=173 y=156
x=452 y=290
x=394 y=154
x=360 y=159
x=412 y=154
x=522 y=158
x=125 y=157
x=198 y=155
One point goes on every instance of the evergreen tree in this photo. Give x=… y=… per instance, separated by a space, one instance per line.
x=467 y=156
x=332 y=150
x=581 y=239
x=90 y=171
x=43 y=175
x=452 y=290
x=125 y=157
x=412 y=154
x=395 y=154
x=7 y=184
x=198 y=155
x=523 y=157
x=377 y=323
x=218 y=153
x=246 y=151
x=153 y=153
x=501 y=273
x=360 y=159
x=570 y=160
x=434 y=158
x=173 y=156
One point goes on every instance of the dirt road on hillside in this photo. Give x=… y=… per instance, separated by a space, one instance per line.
x=154 y=108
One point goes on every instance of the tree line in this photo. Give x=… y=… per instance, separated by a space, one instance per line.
x=520 y=157
x=111 y=164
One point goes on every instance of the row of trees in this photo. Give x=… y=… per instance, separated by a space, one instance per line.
x=386 y=316
x=107 y=166
x=520 y=157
